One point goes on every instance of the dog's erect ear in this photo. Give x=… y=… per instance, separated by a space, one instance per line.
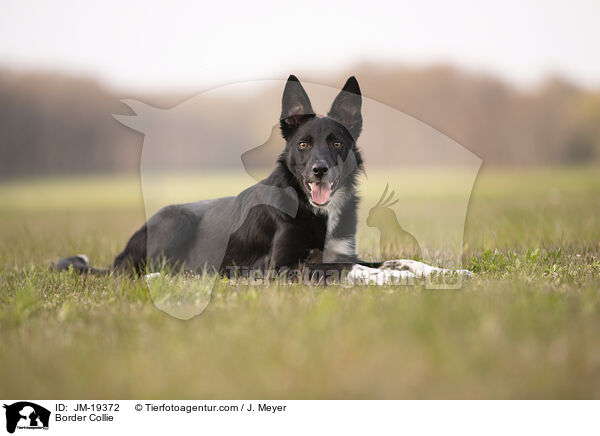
x=346 y=108
x=295 y=106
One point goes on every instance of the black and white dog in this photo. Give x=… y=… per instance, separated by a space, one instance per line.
x=304 y=214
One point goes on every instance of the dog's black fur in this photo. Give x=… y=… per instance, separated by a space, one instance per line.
x=320 y=162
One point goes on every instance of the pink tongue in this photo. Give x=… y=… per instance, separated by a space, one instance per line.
x=320 y=192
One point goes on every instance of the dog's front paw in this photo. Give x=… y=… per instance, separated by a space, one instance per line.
x=420 y=269
x=362 y=275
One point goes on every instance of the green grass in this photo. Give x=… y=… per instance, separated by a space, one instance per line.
x=528 y=325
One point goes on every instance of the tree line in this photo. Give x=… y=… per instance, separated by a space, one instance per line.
x=58 y=124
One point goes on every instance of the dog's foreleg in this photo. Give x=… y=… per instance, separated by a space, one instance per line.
x=363 y=275
x=420 y=269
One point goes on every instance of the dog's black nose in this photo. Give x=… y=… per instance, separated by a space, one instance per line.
x=319 y=169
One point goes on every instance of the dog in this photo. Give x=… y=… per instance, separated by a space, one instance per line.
x=303 y=215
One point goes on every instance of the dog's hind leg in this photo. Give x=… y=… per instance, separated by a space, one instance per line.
x=167 y=236
x=133 y=257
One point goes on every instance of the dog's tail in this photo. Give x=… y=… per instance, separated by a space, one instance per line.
x=79 y=264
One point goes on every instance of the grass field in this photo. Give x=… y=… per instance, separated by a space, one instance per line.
x=527 y=326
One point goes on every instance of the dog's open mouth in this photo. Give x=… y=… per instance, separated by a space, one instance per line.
x=320 y=192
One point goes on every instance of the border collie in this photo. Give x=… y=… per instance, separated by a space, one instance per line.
x=303 y=215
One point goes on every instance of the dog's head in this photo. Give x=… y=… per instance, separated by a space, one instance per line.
x=321 y=152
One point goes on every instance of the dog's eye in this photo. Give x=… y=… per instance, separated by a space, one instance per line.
x=337 y=144
x=303 y=145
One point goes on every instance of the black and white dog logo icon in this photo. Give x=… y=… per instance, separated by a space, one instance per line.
x=26 y=415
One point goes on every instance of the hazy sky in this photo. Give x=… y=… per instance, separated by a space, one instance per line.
x=178 y=45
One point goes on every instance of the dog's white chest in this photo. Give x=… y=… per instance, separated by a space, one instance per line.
x=336 y=247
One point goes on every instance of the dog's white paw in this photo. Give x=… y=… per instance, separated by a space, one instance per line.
x=399 y=272
x=420 y=269
x=362 y=275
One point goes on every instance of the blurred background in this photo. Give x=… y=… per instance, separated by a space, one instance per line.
x=516 y=83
